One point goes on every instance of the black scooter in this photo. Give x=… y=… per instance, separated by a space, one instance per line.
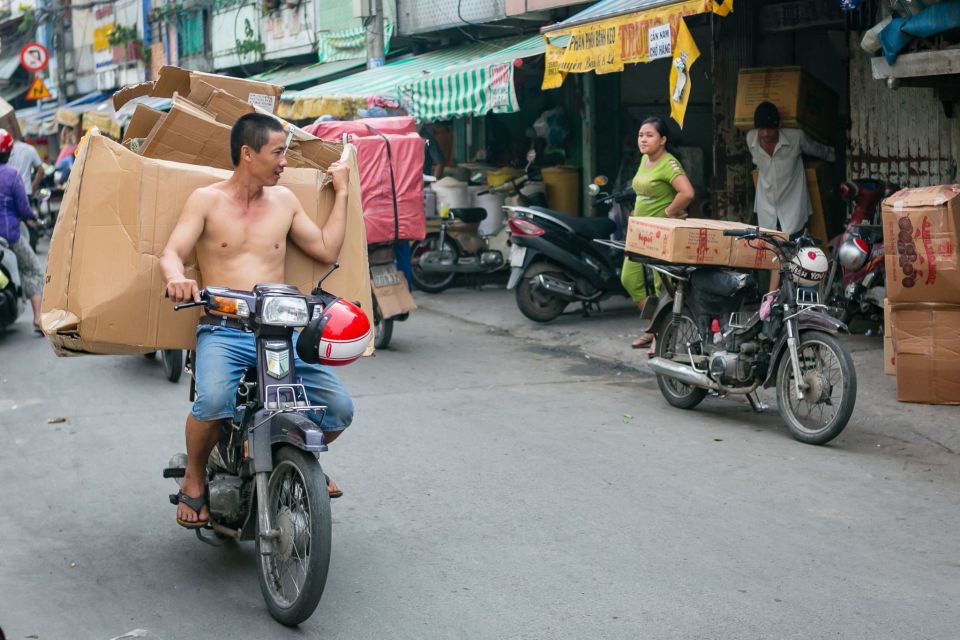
x=555 y=259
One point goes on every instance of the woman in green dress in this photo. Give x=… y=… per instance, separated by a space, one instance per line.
x=663 y=191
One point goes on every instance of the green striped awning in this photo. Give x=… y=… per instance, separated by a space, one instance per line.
x=472 y=79
x=302 y=74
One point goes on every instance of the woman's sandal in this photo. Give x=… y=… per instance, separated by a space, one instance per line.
x=643 y=341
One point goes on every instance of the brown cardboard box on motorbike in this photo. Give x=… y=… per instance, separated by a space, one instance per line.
x=696 y=241
x=104 y=291
x=920 y=235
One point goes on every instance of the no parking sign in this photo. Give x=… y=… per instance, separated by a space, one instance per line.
x=34 y=57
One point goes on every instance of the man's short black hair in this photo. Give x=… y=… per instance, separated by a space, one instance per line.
x=252 y=130
x=4 y=157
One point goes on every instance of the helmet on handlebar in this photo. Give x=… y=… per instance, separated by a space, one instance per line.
x=809 y=267
x=339 y=336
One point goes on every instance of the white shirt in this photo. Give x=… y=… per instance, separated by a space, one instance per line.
x=782 y=195
x=24 y=158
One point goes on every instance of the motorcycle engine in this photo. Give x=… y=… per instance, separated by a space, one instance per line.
x=491 y=259
x=734 y=368
x=225 y=497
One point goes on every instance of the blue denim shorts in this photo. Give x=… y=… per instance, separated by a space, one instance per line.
x=224 y=353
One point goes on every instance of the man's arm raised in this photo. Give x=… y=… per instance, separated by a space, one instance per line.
x=324 y=244
x=181 y=242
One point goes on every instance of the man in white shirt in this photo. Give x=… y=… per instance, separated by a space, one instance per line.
x=25 y=159
x=782 y=201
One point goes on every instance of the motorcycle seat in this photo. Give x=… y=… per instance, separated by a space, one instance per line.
x=469 y=215
x=724 y=283
x=601 y=227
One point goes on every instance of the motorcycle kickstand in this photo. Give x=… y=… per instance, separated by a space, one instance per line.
x=587 y=306
x=758 y=405
x=213 y=542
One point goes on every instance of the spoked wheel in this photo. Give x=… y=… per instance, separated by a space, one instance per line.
x=673 y=342
x=829 y=385
x=533 y=302
x=292 y=577
x=172 y=363
x=430 y=281
x=383 y=328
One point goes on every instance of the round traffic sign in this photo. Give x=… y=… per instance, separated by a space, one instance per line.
x=34 y=57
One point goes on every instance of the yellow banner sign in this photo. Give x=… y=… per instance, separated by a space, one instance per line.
x=606 y=45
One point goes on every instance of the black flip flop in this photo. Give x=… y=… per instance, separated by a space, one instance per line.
x=194 y=503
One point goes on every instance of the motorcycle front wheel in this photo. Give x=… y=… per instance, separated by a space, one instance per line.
x=673 y=341
x=293 y=575
x=830 y=389
x=432 y=282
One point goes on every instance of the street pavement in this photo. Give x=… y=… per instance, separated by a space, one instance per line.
x=502 y=480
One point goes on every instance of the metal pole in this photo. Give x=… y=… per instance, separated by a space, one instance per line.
x=375 y=55
x=61 y=50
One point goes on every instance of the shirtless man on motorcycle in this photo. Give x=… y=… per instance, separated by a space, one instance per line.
x=239 y=229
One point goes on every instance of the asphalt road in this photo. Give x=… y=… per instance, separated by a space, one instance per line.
x=494 y=488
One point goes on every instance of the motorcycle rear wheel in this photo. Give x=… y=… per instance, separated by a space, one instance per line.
x=431 y=282
x=827 y=368
x=539 y=306
x=672 y=340
x=293 y=576
x=383 y=328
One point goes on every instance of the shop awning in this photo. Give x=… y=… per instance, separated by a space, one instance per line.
x=612 y=33
x=43 y=120
x=307 y=73
x=470 y=89
x=469 y=79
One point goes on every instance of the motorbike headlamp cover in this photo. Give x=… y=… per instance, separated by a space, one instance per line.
x=338 y=336
x=284 y=311
x=809 y=266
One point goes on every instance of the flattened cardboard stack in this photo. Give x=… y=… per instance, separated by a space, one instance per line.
x=104 y=292
x=696 y=241
x=923 y=285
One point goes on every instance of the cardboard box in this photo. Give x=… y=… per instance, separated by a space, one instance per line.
x=920 y=244
x=695 y=241
x=804 y=102
x=927 y=339
x=8 y=119
x=188 y=134
x=889 y=351
x=174 y=80
x=225 y=108
x=394 y=299
x=142 y=122
x=104 y=291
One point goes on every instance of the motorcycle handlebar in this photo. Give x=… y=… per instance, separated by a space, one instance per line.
x=188 y=305
x=739 y=233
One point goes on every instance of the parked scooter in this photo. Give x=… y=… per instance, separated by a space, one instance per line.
x=264 y=481
x=12 y=301
x=555 y=259
x=714 y=335
x=856 y=283
x=456 y=245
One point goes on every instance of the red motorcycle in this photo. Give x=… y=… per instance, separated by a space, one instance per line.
x=856 y=283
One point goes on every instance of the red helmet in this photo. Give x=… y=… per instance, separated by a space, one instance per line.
x=339 y=336
x=6 y=141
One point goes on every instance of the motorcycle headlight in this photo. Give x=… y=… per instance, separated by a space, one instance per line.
x=284 y=311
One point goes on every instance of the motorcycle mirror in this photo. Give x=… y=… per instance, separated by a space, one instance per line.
x=601 y=181
x=593 y=190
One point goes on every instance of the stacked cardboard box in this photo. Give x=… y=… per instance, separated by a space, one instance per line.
x=923 y=285
x=696 y=241
x=804 y=102
x=104 y=291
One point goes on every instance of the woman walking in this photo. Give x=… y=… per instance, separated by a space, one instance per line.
x=663 y=191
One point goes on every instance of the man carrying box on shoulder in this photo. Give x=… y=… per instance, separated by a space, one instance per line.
x=239 y=228
x=783 y=201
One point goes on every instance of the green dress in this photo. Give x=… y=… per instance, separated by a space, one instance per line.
x=654 y=188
